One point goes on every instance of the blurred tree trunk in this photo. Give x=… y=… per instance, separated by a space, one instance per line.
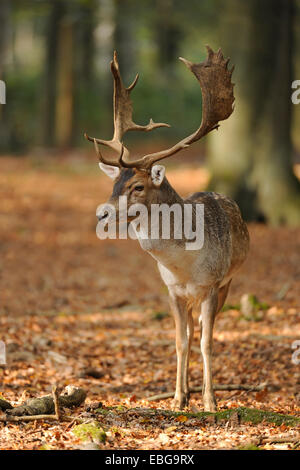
x=65 y=84
x=4 y=35
x=5 y=30
x=50 y=72
x=83 y=65
x=125 y=37
x=296 y=76
x=168 y=34
x=251 y=155
x=59 y=75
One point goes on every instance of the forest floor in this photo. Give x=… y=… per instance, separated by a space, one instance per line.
x=70 y=302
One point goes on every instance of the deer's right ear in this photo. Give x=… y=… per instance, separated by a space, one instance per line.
x=157 y=174
x=111 y=171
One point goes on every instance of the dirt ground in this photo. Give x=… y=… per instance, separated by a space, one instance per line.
x=70 y=302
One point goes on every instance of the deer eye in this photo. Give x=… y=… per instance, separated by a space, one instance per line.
x=139 y=188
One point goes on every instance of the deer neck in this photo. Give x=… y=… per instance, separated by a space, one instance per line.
x=166 y=195
x=158 y=247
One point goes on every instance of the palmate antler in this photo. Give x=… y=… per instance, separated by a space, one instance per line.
x=217 y=105
x=122 y=118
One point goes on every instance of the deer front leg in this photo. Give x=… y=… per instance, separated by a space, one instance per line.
x=180 y=312
x=190 y=334
x=208 y=312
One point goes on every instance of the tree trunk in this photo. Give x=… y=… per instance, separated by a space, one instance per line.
x=83 y=67
x=125 y=37
x=4 y=35
x=251 y=155
x=59 y=76
x=50 y=73
x=168 y=34
x=5 y=28
x=65 y=84
x=296 y=76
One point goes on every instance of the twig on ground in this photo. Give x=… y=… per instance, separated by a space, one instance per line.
x=72 y=421
x=276 y=439
x=35 y=417
x=8 y=418
x=55 y=396
x=47 y=407
x=228 y=387
x=288 y=438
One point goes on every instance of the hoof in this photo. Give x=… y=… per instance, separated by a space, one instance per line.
x=210 y=405
x=180 y=402
x=209 y=401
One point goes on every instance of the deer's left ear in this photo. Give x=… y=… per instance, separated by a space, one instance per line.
x=157 y=174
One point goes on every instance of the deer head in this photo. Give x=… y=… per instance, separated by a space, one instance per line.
x=141 y=180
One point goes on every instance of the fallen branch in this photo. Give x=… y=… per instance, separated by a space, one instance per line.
x=228 y=387
x=4 y=405
x=8 y=418
x=70 y=419
x=55 y=396
x=44 y=407
x=276 y=439
x=281 y=439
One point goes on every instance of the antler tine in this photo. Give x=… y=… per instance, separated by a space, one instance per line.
x=217 y=103
x=108 y=143
x=123 y=121
x=103 y=160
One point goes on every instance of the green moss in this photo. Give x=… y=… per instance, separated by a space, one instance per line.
x=257 y=307
x=256 y=317
x=253 y=309
x=254 y=416
x=159 y=315
x=121 y=408
x=257 y=304
x=245 y=415
x=89 y=431
x=45 y=447
x=103 y=411
x=110 y=409
x=230 y=307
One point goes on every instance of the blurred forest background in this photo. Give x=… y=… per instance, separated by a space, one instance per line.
x=75 y=310
x=54 y=58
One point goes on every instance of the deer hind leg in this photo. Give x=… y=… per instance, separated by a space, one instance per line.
x=208 y=313
x=183 y=341
x=190 y=335
x=222 y=295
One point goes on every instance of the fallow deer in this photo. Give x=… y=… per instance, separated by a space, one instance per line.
x=197 y=280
